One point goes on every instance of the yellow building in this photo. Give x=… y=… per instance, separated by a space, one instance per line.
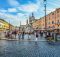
x=5 y=25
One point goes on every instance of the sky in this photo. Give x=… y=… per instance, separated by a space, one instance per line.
x=16 y=11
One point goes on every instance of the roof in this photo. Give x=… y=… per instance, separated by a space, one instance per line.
x=5 y=21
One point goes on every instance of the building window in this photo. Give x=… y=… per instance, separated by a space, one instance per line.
x=58 y=25
x=57 y=11
x=53 y=26
x=49 y=23
x=52 y=13
x=49 y=17
x=58 y=21
x=52 y=22
x=49 y=26
x=0 y=24
x=58 y=15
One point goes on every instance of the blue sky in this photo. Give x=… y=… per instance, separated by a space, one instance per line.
x=19 y=10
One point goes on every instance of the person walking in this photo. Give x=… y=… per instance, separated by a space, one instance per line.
x=23 y=35
x=19 y=35
x=36 y=36
x=15 y=33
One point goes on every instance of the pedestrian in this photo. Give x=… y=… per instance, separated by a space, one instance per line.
x=41 y=33
x=19 y=34
x=36 y=36
x=15 y=33
x=8 y=34
x=23 y=35
x=29 y=36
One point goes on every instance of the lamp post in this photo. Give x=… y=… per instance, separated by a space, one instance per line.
x=45 y=17
x=45 y=13
x=20 y=26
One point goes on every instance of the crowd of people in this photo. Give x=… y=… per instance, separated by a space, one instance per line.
x=20 y=34
x=13 y=34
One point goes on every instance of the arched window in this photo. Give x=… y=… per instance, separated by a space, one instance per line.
x=52 y=22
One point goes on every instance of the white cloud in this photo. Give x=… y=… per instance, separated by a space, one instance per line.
x=29 y=7
x=8 y=10
x=3 y=10
x=50 y=10
x=12 y=10
x=55 y=3
x=20 y=14
x=13 y=2
x=14 y=19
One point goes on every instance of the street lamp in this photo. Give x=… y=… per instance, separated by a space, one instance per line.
x=20 y=26
x=45 y=17
x=45 y=13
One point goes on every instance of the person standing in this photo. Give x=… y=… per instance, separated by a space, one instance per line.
x=19 y=34
x=15 y=33
x=36 y=36
x=23 y=35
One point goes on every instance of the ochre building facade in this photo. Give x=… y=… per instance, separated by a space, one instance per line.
x=5 y=25
x=52 y=21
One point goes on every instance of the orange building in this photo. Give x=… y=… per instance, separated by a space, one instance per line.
x=36 y=24
x=42 y=23
x=52 y=21
x=58 y=18
x=39 y=24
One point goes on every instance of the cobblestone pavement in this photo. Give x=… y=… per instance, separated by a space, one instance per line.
x=29 y=49
x=32 y=37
